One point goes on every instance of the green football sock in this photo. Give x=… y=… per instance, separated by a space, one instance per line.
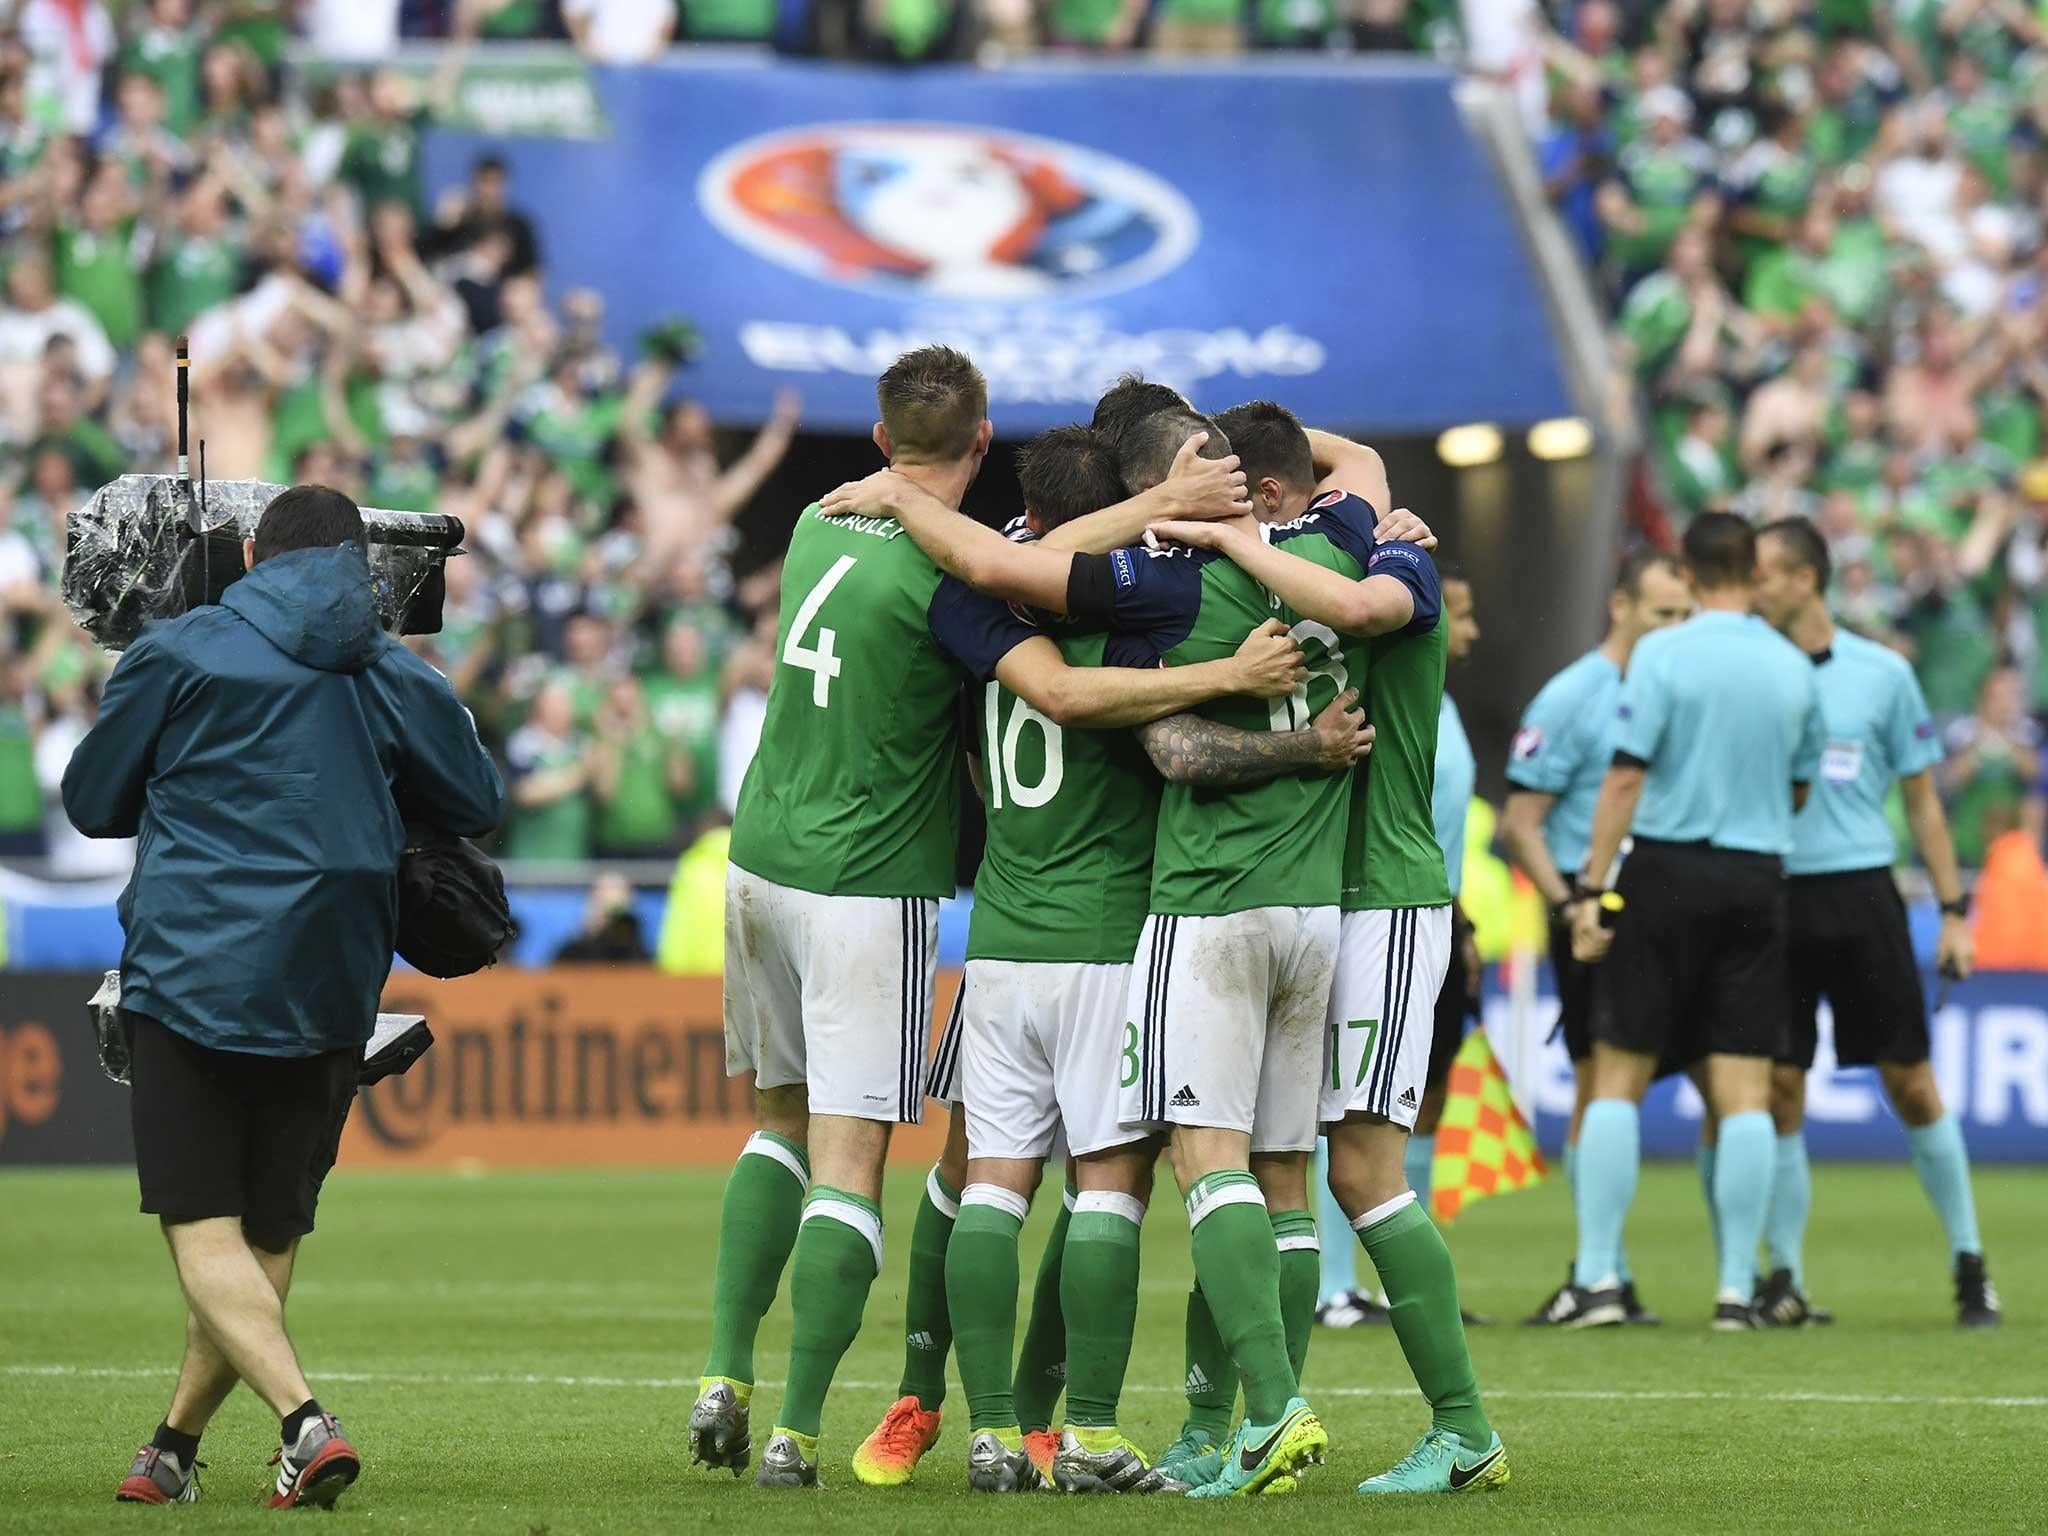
x=757 y=1225
x=927 y=1330
x=1211 y=1385
x=838 y=1252
x=1238 y=1267
x=1301 y=1273
x=1099 y=1291
x=1422 y=1294
x=981 y=1294
x=1042 y=1358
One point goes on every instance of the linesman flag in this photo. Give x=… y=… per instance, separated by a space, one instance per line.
x=1483 y=1145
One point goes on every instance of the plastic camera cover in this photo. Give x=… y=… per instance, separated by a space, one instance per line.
x=132 y=555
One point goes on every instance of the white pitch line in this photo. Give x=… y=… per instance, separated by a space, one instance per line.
x=689 y=1383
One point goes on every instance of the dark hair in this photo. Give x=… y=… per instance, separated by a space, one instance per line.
x=1129 y=401
x=307 y=517
x=1144 y=454
x=1269 y=444
x=933 y=402
x=487 y=165
x=1720 y=551
x=1629 y=580
x=1066 y=473
x=1804 y=544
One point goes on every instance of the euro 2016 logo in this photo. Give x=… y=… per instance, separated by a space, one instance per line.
x=945 y=211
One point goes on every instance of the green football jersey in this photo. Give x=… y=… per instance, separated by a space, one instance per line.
x=855 y=788
x=1280 y=843
x=1072 y=818
x=1391 y=855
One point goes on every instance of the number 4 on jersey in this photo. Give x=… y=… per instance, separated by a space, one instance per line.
x=818 y=660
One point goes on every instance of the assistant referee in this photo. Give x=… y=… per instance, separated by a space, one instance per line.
x=1849 y=940
x=1721 y=736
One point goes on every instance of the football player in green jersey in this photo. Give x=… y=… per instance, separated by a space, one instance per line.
x=1396 y=930
x=1166 y=594
x=842 y=843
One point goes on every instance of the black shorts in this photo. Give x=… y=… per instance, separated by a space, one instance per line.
x=1457 y=1002
x=225 y=1133
x=1850 y=944
x=1577 y=991
x=1698 y=963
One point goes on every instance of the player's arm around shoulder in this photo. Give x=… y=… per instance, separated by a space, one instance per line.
x=956 y=543
x=1192 y=749
x=1267 y=665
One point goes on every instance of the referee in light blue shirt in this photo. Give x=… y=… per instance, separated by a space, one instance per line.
x=1849 y=941
x=1721 y=737
x=1555 y=769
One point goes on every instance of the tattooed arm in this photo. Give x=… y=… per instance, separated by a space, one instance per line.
x=1188 y=749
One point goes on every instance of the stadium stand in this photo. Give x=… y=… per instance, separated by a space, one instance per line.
x=1819 y=226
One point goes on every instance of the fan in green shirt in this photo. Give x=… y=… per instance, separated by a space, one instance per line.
x=637 y=778
x=93 y=262
x=550 y=776
x=166 y=49
x=382 y=157
x=576 y=430
x=685 y=700
x=1982 y=115
x=198 y=265
x=1656 y=181
x=258 y=25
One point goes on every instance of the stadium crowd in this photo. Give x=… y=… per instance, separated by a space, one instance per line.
x=1821 y=223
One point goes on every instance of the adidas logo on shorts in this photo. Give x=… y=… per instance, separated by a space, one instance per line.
x=1408 y=1098
x=1185 y=1099
x=1197 y=1382
x=923 y=1340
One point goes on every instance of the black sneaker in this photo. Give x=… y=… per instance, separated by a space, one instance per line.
x=1540 y=1318
x=1353 y=1309
x=1638 y=1314
x=1475 y=1319
x=1780 y=1303
x=1578 y=1306
x=1976 y=1296
x=1735 y=1317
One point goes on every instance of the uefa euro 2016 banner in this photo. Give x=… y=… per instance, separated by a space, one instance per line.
x=616 y=1065
x=1330 y=235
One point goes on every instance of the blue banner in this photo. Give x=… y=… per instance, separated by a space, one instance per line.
x=1990 y=1054
x=1328 y=235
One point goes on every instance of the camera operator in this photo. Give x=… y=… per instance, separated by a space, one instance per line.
x=262 y=748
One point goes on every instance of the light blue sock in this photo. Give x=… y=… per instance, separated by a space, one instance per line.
x=1791 y=1200
x=1340 y=1255
x=1571 y=1161
x=1943 y=1163
x=1416 y=1163
x=1742 y=1188
x=1610 y=1158
x=1703 y=1159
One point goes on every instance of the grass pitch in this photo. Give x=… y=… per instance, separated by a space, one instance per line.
x=517 y=1353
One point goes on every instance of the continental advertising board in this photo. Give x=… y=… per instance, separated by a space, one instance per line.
x=608 y=1066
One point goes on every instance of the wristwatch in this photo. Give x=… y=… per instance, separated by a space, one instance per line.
x=1960 y=907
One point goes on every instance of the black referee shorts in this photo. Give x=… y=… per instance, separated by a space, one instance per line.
x=1457 y=1002
x=1850 y=944
x=1698 y=963
x=225 y=1133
